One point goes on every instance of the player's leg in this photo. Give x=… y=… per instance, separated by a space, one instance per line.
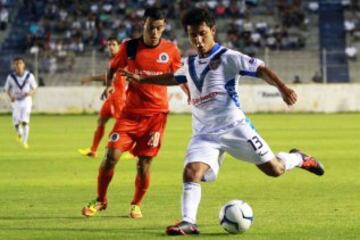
x=99 y=133
x=148 y=143
x=19 y=132
x=190 y=201
x=142 y=183
x=16 y=121
x=106 y=172
x=104 y=116
x=26 y=131
x=287 y=161
x=243 y=142
x=118 y=142
x=25 y=119
x=105 y=175
x=296 y=158
x=202 y=163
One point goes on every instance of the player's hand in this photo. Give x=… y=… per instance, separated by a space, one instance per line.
x=107 y=92
x=12 y=98
x=129 y=75
x=289 y=95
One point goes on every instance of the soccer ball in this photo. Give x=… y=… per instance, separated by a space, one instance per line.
x=236 y=216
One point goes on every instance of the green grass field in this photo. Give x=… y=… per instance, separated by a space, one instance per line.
x=43 y=189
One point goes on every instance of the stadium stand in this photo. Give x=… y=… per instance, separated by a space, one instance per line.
x=64 y=39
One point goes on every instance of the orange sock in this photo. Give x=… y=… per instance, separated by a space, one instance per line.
x=141 y=185
x=98 y=134
x=104 y=179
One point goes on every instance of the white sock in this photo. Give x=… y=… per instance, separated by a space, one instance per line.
x=26 y=133
x=20 y=131
x=190 y=201
x=290 y=160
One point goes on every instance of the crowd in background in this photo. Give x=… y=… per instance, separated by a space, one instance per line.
x=70 y=27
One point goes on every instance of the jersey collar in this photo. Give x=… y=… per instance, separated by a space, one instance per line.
x=214 y=49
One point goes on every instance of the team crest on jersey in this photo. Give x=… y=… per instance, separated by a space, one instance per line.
x=252 y=61
x=114 y=137
x=214 y=64
x=163 y=58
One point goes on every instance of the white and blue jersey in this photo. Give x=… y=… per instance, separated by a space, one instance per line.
x=213 y=84
x=20 y=85
x=219 y=124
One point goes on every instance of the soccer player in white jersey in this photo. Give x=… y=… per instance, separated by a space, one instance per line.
x=219 y=125
x=20 y=86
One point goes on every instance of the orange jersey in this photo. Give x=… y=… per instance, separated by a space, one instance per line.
x=148 y=99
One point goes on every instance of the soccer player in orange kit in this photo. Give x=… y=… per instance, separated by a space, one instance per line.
x=142 y=122
x=113 y=105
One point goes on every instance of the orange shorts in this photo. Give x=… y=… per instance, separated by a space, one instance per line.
x=141 y=135
x=111 y=108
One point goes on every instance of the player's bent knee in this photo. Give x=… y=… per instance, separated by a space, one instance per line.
x=111 y=158
x=194 y=172
x=143 y=165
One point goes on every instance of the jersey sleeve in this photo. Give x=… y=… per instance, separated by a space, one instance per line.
x=120 y=59
x=33 y=83
x=7 y=85
x=180 y=75
x=244 y=64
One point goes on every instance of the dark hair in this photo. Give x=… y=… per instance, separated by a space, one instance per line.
x=155 y=13
x=197 y=16
x=18 y=58
x=112 y=38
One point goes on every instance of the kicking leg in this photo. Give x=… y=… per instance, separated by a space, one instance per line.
x=287 y=161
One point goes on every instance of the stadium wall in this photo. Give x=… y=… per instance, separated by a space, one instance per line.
x=254 y=98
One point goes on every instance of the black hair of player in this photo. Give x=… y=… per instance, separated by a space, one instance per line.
x=155 y=13
x=18 y=59
x=197 y=16
x=112 y=38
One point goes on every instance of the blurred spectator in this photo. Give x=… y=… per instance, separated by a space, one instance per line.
x=297 y=79
x=351 y=53
x=4 y=18
x=317 y=78
x=313 y=6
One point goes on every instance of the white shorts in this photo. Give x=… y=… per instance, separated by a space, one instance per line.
x=21 y=111
x=239 y=140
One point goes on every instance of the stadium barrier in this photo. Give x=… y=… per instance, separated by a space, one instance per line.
x=254 y=98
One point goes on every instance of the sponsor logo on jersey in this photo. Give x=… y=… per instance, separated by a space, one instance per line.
x=163 y=58
x=206 y=98
x=147 y=72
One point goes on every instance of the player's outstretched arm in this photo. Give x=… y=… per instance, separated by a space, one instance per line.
x=96 y=78
x=166 y=79
x=289 y=95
